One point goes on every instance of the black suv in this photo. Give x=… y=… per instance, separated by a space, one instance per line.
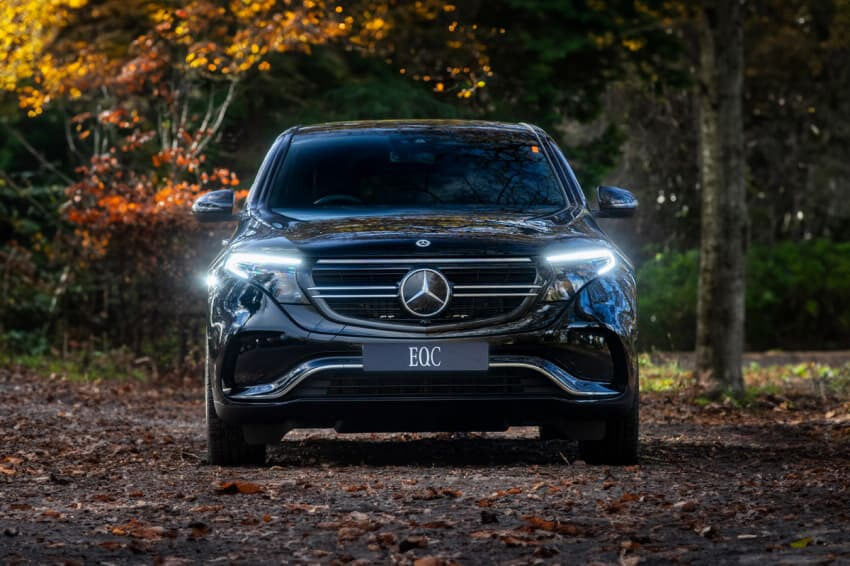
x=419 y=276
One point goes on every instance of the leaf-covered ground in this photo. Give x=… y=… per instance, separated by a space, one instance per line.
x=112 y=472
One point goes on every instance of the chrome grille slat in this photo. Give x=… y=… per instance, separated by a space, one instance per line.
x=356 y=288
x=497 y=286
x=354 y=296
x=485 y=290
x=495 y=294
x=416 y=260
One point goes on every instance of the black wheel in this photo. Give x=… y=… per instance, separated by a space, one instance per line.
x=619 y=446
x=226 y=444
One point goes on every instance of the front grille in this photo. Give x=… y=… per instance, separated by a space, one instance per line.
x=494 y=383
x=390 y=310
x=483 y=290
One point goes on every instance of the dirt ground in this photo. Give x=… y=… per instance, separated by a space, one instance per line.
x=113 y=473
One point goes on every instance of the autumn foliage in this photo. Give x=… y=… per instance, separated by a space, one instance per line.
x=149 y=86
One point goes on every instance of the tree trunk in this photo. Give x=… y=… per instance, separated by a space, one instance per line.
x=720 y=308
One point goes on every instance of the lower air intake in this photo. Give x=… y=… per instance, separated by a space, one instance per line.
x=494 y=383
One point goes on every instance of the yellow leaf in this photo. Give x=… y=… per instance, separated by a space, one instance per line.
x=802 y=543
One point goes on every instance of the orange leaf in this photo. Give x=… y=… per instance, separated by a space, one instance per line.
x=238 y=487
x=552 y=526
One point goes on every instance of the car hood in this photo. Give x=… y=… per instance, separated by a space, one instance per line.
x=367 y=236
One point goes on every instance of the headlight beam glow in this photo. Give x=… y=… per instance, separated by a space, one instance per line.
x=236 y=262
x=578 y=256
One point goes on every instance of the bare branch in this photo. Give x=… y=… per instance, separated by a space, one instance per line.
x=163 y=133
x=181 y=125
x=69 y=137
x=222 y=111
x=206 y=119
x=40 y=157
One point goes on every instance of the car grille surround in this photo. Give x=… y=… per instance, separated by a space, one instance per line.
x=367 y=292
x=498 y=382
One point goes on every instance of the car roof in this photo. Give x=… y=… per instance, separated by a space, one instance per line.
x=433 y=126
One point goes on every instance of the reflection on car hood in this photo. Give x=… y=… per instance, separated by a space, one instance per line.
x=502 y=234
x=392 y=226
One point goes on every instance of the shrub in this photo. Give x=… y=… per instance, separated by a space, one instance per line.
x=798 y=297
x=667 y=295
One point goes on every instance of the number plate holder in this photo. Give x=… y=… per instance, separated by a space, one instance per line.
x=426 y=356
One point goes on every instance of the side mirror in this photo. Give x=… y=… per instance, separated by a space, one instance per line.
x=615 y=202
x=215 y=206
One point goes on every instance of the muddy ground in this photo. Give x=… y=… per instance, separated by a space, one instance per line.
x=114 y=473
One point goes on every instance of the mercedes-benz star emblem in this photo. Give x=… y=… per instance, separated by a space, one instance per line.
x=423 y=243
x=425 y=292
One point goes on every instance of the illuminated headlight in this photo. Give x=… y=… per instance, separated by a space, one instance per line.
x=274 y=272
x=574 y=269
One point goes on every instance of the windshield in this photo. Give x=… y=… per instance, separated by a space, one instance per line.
x=369 y=172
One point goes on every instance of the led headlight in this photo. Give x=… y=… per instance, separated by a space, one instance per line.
x=274 y=272
x=575 y=268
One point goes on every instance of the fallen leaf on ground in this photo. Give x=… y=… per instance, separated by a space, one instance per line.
x=206 y=508
x=136 y=529
x=111 y=544
x=802 y=543
x=349 y=533
x=518 y=540
x=384 y=539
x=707 y=532
x=410 y=543
x=504 y=492
x=553 y=526
x=545 y=552
x=618 y=505
x=199 y=530
x=426 y=494
x=439 y=524
x=228 y=487
x=304 y=507
x=686 y=506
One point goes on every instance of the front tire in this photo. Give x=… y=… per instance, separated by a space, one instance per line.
x=619 y=446
x=226 y=444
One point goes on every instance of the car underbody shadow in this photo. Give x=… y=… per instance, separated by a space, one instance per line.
x=421 y=450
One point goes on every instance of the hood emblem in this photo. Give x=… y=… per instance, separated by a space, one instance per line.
x=425 y=292
x=423 y=243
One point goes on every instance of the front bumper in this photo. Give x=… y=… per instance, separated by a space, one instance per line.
x=290 y=354
x=571 y=385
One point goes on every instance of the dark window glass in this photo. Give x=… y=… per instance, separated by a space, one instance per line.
x=463 y=169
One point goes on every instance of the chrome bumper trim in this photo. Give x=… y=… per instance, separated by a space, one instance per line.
x=286 y=383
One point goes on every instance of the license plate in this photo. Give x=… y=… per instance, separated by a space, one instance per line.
x=447 y=356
